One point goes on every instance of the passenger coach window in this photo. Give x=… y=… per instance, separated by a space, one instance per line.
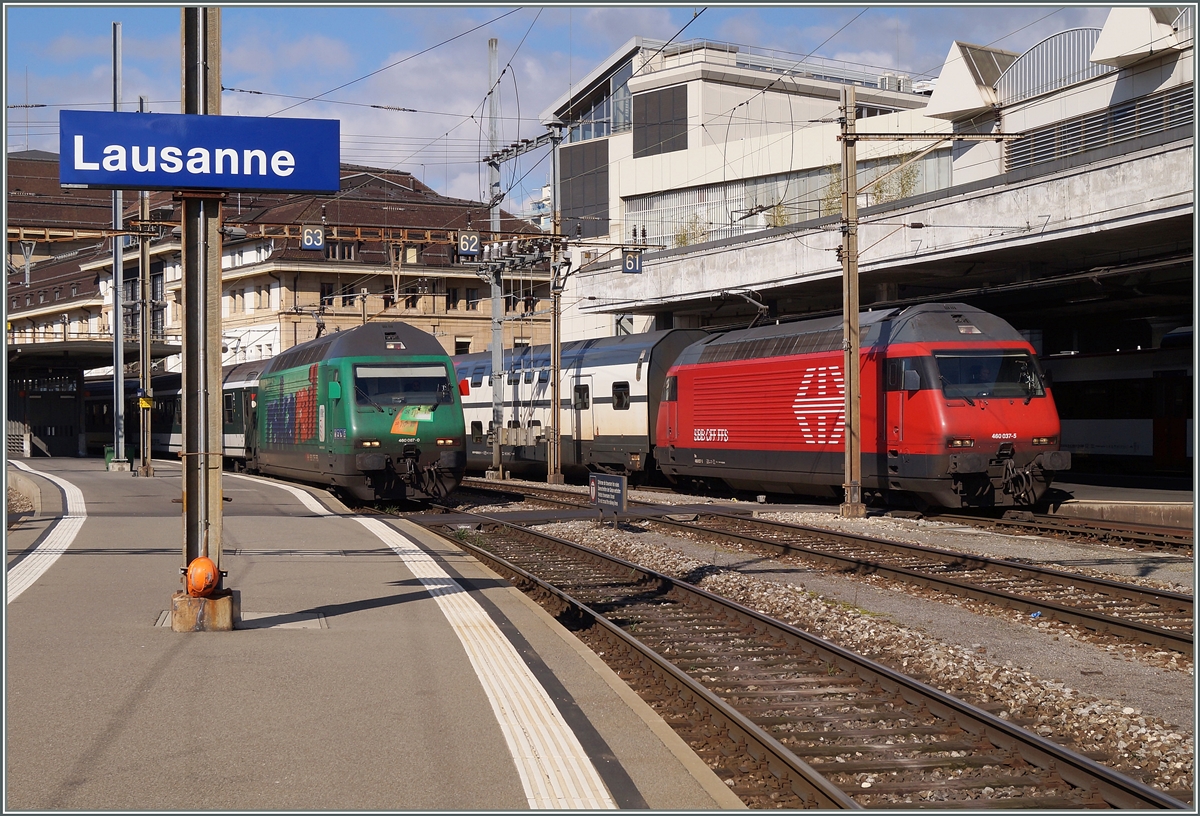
x=477 y=377
x=582 y=399
x=476 y=431
x=620 y=396
x=228 y=409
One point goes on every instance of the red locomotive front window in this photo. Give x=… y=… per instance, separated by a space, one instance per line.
x=989 y=373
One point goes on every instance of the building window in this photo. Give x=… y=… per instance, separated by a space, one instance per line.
x=347 y=300
x=660 y=122
x=326 y=294
x=412 y=301
x=389 y=295
x=451 y=298
x=74 y=289
x=341 y=250
x=41 y=297
x=462 y=345
x=472 y=300
x=584 y=183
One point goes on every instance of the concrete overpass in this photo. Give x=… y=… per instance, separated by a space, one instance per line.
x=1085 y=243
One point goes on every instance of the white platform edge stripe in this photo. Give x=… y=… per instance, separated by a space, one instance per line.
x=553 y=766
x=307 y=499
x=34 y=565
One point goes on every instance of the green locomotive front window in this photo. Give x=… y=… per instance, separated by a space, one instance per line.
x=412 y=384
x=991 y=373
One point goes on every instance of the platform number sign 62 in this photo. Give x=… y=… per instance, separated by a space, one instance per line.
x=312 y=238
x=468 y=243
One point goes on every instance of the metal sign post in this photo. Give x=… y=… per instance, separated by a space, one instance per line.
x=118 y=461
x=202 y=437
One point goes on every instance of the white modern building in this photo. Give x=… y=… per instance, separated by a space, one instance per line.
x=728 y=161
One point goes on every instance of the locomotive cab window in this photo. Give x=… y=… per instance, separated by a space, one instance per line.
x=620 y=396
x=908 y=374
x=415 y=384
x=582 y=398
x=993 y=373
x=671 y=389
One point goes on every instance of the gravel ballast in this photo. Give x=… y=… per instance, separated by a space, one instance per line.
x=1131 y=706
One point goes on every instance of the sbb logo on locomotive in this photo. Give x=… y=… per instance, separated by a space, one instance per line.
x=710 y=435
x=820 y=405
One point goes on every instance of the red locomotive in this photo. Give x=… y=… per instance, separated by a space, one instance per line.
x=954 y=410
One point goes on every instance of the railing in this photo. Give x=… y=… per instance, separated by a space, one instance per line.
x=1054 y=63
x=1184 y=25
x=761 y=59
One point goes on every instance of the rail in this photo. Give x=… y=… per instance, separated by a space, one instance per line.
x=789 y=719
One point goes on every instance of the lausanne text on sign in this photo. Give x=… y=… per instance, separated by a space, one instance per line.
x=155 y=151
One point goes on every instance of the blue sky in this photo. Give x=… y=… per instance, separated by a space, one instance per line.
x=61 y=56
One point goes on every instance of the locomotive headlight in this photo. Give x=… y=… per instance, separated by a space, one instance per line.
x=960 y=442
x=369 y=443
x=445 y=441
x=1045 y=440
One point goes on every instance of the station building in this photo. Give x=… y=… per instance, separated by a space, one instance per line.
x=389 y=254
x=721 y=165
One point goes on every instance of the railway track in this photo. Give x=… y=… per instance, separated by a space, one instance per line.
x=1143 y=537
x=1156 y=617
x=787 y=719
x=1136 y=613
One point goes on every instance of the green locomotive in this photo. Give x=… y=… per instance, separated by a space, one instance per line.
x=373 y=412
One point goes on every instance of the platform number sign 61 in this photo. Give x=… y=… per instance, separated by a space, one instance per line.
x=468 y=243
x=631 y=261
x=312 y=238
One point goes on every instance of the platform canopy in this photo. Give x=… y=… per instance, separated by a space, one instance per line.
x=77 y=354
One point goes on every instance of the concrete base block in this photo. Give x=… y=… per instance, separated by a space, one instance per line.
x=495 y=475
x=115 y=466
x=218 y=612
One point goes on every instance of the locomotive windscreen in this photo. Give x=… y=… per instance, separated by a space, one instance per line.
x=401 y=384
x=990 y=373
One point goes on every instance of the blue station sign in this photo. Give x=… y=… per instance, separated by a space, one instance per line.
x=157 y=151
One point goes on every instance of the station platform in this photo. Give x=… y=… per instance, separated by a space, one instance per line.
x=1127 y=503
x=375 y=667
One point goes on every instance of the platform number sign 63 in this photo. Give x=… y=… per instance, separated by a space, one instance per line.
x=468 y=243
x=312 y=238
